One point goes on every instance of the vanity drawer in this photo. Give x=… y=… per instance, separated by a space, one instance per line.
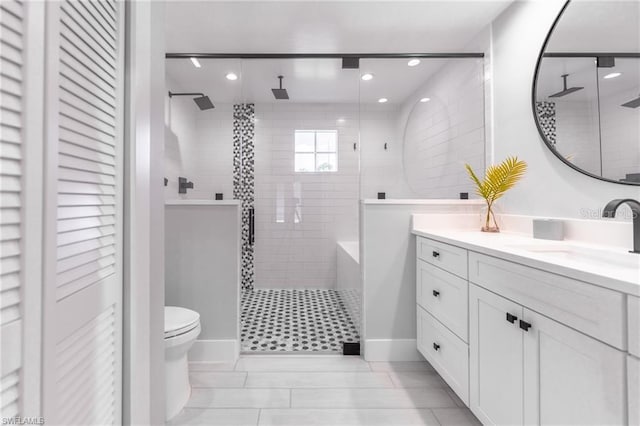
x=634 y=324
x=450 y=258
x=593 y=310
x=445 y=296
x=448 y=355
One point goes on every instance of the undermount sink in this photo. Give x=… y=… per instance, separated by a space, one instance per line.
x=572 y=253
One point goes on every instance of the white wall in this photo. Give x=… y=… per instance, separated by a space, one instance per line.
x=577 y=134
x=550 y=188
x=441 y=135
x=198 y=146
x=381 y=169
x=620 y=129
x=202 y=265
x=388 y=267
x=143 y=387
x=301 y=216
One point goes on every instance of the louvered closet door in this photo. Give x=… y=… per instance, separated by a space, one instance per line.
x=83 y=217
x=11 y=210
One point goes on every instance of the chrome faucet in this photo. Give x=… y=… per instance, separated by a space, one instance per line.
x=610 y=211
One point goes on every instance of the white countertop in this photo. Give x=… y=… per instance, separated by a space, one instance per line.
x=425 y=201
x=616 y=269
x=202 y=203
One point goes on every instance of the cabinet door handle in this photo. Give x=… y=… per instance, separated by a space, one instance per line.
x=436 y=293
x=436 y=346
x=511 y=318
x=525 y=325
x=435 y=254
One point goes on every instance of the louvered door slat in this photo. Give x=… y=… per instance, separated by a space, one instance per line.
x=106 y=10
x=10 y=150
x=12 y=28
x=73 y=71
x=90 y=15
x=71 y=250
x=85 y=368
x=84 y=361
x=86 y=28
x=75 y=99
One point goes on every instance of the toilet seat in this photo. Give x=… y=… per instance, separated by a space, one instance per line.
x=178 y=321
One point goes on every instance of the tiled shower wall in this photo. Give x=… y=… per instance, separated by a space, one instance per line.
x=443 y=134
x=199 y=146
x=301 y=216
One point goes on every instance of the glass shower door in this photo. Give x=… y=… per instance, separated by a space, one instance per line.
x=300 y=175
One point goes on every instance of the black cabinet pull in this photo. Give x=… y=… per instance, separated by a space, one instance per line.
x=435 y=254
x=436 y=346
x=525 y=325
x=511 y=318
x=436 y=293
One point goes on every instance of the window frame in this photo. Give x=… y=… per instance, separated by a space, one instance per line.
x=315 y=151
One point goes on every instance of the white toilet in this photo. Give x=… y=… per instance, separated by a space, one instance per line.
x=181 y=328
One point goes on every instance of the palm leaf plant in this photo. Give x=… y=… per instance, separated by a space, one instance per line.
x=498 y=179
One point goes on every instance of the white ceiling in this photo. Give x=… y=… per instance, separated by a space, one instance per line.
x=317 y=27
x=306 y=80
x=326 y=26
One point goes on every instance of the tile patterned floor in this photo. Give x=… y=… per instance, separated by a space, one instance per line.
x=320 y=390
x=292 y=320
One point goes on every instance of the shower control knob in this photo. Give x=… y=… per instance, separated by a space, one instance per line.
x=435 y=254
x=436 y=293
x=436 y=347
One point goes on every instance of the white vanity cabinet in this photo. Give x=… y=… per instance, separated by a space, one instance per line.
x=442 y=311
x=542 y=348
x=496 y=358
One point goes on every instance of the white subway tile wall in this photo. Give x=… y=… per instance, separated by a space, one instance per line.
x=300 y=216
x=577 y=136
x=443 y=134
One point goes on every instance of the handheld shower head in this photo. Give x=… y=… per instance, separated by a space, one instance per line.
x=201 y=100
x=280 y=93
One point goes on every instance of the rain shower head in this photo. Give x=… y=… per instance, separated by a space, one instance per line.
x=633 y=103
x=565 y=91
x=280 y=93
x=203 y=102
x=200 y=99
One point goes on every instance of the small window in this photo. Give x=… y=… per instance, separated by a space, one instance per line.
x=316 y=151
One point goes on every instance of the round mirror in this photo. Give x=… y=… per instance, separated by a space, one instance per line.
x=586 y=91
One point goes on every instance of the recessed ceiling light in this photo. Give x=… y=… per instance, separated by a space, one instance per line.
x=413 y=62
x=425 y=100
x=231 y=76
x=382 y=100
x=195 y=62
x=367 y=76
x=612 y=75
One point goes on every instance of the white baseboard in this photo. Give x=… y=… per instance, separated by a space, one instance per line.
x=391 y=350
x=214 y=351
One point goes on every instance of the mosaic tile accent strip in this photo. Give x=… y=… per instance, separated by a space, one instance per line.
x=547 y=119
x=292 y=320
x=244 y=181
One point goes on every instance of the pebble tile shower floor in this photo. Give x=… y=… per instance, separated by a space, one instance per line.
x=292 y=320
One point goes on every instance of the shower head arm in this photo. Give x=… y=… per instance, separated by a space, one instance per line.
x=564 y=81
x=172 y=94
x=280 y=77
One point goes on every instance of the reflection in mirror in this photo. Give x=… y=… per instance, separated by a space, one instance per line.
x=587 y=89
